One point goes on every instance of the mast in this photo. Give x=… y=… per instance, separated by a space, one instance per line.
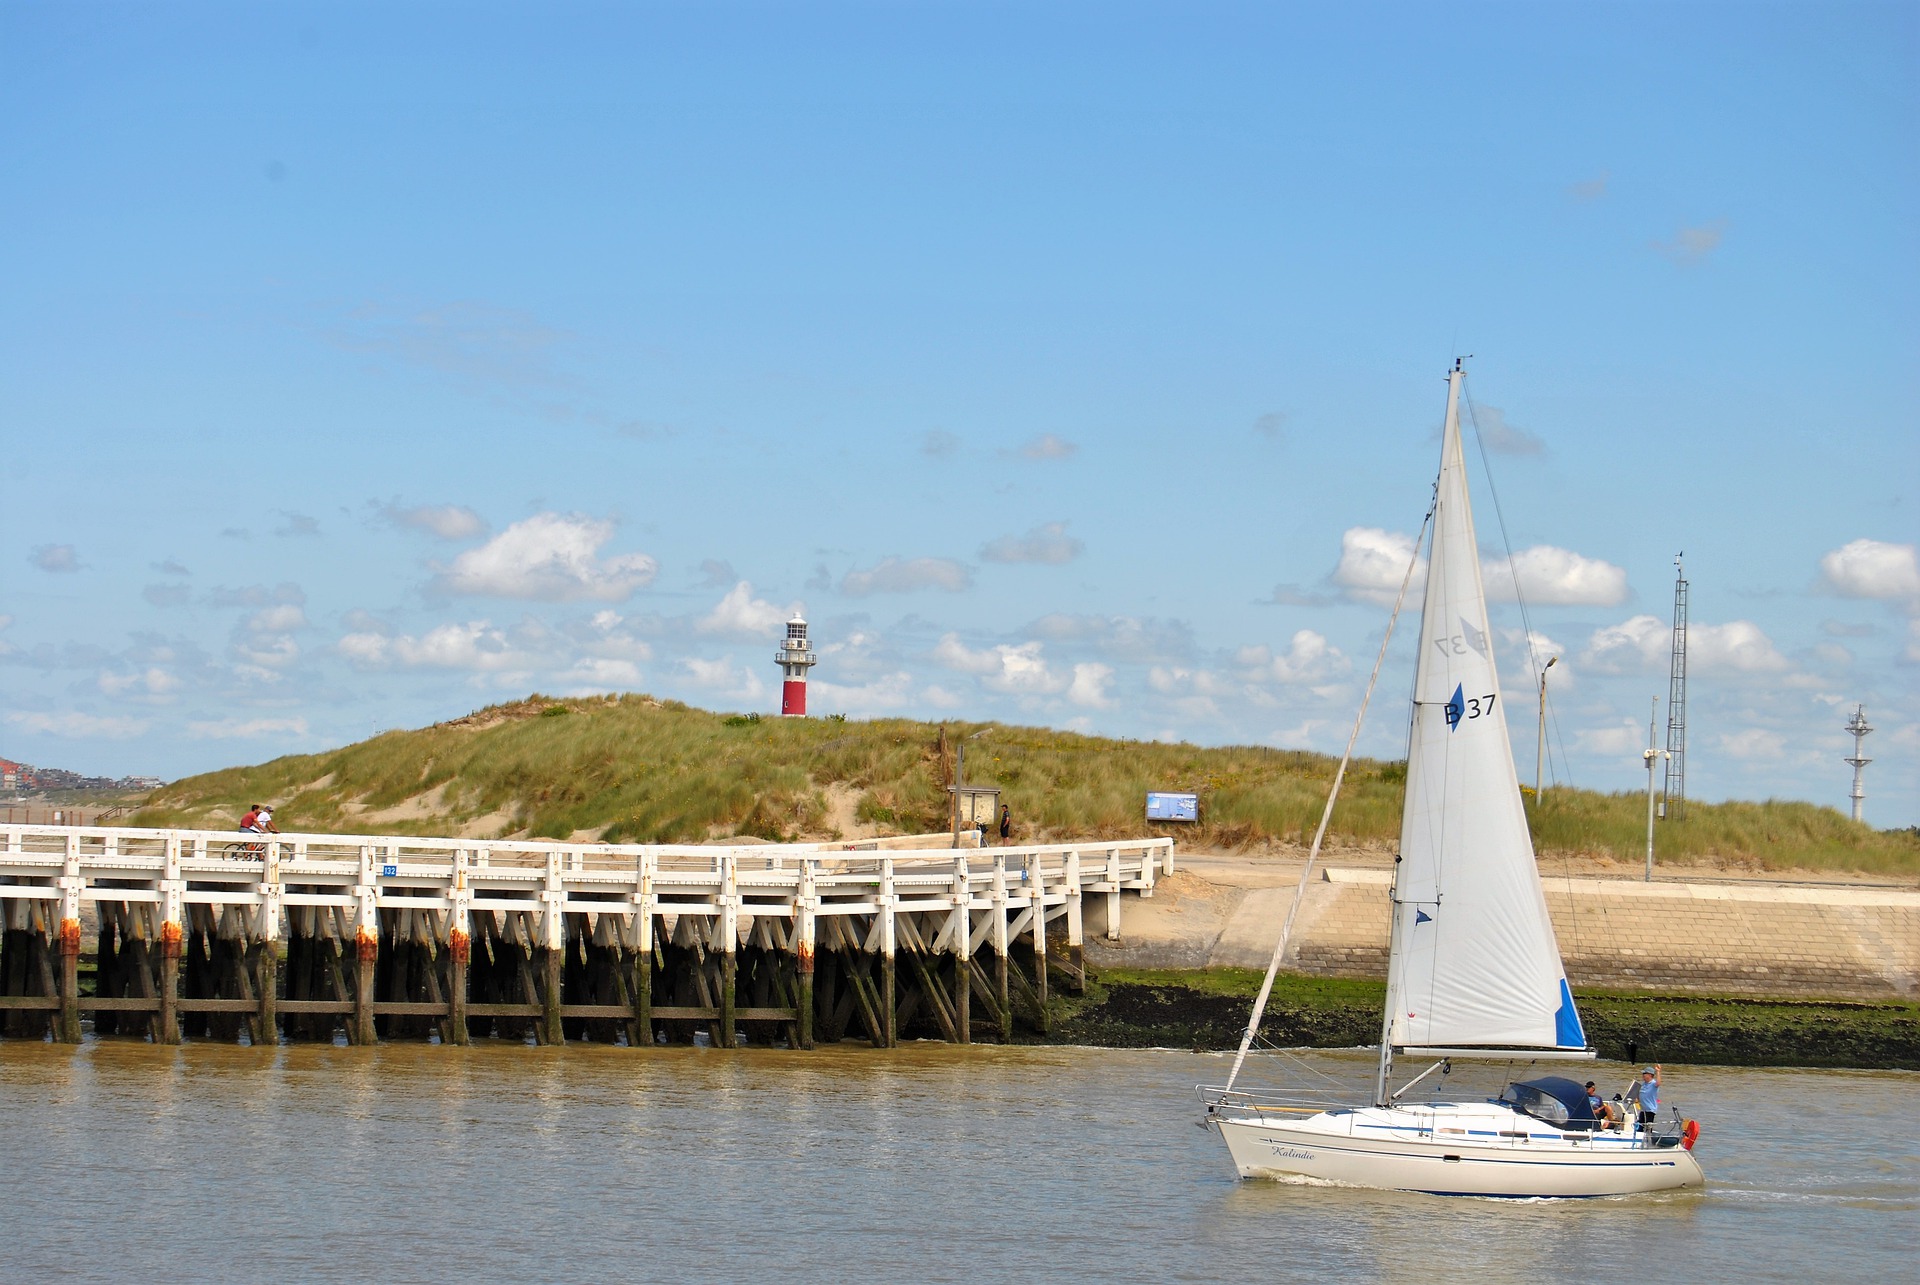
x=1448 y=434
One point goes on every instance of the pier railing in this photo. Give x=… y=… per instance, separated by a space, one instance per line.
x=403 y=935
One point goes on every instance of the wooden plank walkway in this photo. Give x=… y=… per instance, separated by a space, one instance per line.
x=201 y=933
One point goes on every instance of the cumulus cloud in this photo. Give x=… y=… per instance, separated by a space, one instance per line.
x=742 y=613
x=1873 y=569
x=1752 y=744
x=74 y=725
x=1089 y=686
x=724 y=678
x=57 y=558
x=1309 y=659
x=447 y=521
x=1016 y=669
x=1692 y=245
x=1497 y=435
x=1128 y=638
x=906 y=575
x=1556 y=577
x=1589 y=190
x=597 y=675
x=256 y=595
x=1373 y=563
x=1048 y=446
x=246 y=729
x=715 y=572
x=886 y=694
x=473 y=645
x=550 y=557
x=1646 y=642
x=149 y=682
x=168 y=595
x=1625 y=737
x=1048 y=543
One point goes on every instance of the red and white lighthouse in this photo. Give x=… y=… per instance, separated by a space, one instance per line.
x=795 y=658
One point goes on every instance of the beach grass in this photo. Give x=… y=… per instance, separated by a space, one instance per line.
x=635 y=769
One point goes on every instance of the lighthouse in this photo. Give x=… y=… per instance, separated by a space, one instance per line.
x=795 y=658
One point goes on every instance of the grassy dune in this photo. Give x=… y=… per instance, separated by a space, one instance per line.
x=633 y=769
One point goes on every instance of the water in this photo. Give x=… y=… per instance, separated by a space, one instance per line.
x=414 y=1162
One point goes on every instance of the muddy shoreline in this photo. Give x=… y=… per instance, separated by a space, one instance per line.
x=1207 y=1009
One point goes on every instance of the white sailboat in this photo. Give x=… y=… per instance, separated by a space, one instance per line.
x=1474 y=970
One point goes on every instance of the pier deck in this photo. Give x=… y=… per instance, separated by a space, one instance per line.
x=204 y=933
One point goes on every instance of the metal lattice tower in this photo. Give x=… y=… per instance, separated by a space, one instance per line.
x=1857 y=725
x=1674 y=802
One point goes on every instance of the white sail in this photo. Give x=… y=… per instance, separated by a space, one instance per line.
x=1474 y=961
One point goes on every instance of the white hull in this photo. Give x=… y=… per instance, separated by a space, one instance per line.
x=1449 y=1149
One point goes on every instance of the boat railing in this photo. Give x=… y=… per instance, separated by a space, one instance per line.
x=1218 y=1098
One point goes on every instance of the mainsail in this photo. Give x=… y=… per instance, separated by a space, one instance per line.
x=1474 y=961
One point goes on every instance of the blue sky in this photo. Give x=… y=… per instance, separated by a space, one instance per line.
x=1080 y=365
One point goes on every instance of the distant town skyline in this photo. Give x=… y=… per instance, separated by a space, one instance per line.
x=1082 y=366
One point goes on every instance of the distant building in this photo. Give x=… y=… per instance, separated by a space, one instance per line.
x=795 y=658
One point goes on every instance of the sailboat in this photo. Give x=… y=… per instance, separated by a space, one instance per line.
x=1473 y=969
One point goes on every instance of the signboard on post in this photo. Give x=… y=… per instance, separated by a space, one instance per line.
x=1166 y=806
x=978 y=805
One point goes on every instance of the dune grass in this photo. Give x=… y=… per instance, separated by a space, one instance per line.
x=633 y=769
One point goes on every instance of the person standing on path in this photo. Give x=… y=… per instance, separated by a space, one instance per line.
x=1006 y=822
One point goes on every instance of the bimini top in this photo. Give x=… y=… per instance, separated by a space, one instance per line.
x=1555 y=1099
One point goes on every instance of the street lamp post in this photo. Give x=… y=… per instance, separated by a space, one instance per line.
x=1540 y=752
x=1652 y=756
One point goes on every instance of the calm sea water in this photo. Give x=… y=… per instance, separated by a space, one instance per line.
x=408 y=1162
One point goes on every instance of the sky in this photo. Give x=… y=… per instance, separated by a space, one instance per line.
x=1076 y=365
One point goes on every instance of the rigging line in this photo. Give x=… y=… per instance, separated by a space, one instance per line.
x=1326 y=815
x=1526 y=619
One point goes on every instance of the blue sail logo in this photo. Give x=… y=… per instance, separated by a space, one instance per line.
x=1456 y=707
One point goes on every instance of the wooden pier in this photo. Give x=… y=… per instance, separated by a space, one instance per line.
x=206 y=934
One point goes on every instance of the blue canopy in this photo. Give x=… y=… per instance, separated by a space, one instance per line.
x=1553 y=1098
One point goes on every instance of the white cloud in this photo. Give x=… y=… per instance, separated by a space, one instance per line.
x=1048 y=446
x=887 y=694
x=1646 y=642
x=1692 y=245
x=1754 y=743
x=1626 y=737
x=594 y=675
x=447 y=521
x=1873 y=569
x=1121 y=637
x=1309 y=658
x=1556 y=577
x=739 y=612
x=1501 y=437
x=1049 y=543
x=550 y=557
x=724 y=678
x=1019 y=670
x=474 y=645
x=152 y=681
x=284 y=618
x=1373 y=563
x=1090 y=683
x=57 y=558
x=236 y=729
x=905 y=575
x=78 y=726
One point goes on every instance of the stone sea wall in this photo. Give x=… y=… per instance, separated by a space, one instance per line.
x=1736 y=937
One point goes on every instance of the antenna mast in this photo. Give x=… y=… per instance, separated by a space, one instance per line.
x=1674 y=796
x=1858 y=726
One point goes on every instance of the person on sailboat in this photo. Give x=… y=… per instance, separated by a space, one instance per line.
x=1647 y=1093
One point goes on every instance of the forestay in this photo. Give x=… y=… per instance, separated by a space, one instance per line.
x=1475 y=963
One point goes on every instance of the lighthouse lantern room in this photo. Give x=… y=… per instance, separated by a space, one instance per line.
x=795 y=658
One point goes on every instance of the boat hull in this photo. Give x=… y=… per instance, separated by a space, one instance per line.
x=1559 y=1166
